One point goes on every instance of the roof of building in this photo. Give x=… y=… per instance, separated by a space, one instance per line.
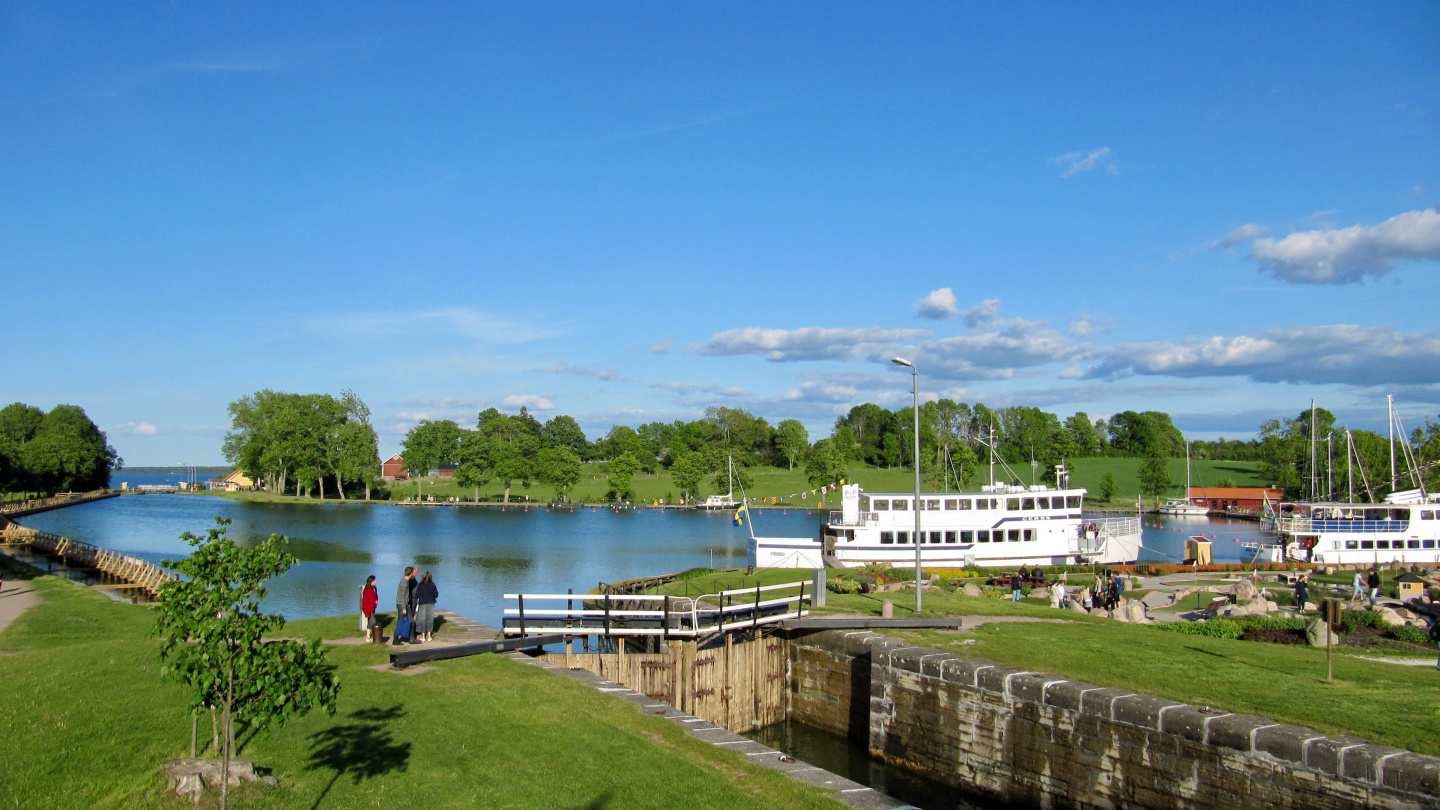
x=1235 y=492
x=237 y=476
x=395 y=457
x=1409 y=577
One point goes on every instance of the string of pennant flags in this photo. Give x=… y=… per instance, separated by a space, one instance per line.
x=774 y=500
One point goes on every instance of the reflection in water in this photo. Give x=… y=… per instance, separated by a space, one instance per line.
x=475 y=554
x=839 y=755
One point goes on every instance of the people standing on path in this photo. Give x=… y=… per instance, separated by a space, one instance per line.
x=1373 y=581
x=1302 y=593
x=1112 y=600
x=369 y=600
x=413 y=583
x=425 y=595
x=1015 y=582
x=1357 y=588
x=402 y=605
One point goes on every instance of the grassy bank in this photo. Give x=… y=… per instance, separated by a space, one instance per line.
x=1089 y=471
x=86 y=720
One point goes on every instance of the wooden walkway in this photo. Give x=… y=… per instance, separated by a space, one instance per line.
x=13 y=509
x=117 y=571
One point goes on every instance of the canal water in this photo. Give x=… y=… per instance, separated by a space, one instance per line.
x=476 y=554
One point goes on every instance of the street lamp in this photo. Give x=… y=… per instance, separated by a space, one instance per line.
x=917 y=538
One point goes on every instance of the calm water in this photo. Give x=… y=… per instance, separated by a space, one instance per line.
x=476 y=554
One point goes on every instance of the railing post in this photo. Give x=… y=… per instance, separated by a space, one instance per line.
x=521 y=598
x=665 y=620
x=569 y=610
x=800 y=605
x=757 y=604
x=607 y=614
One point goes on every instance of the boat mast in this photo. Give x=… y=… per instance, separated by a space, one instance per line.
x=1314 y=482
x=1390 y=411
x=990 y=442
x=1330 y=466
x=1187 y=472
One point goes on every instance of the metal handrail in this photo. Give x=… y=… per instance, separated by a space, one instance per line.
x=702 y=618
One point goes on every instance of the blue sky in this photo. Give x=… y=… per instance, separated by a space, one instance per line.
x=629 y=212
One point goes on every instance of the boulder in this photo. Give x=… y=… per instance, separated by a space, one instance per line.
x=1390 y=616
x=1134 y=612
x=970 y=589
x=1118 y=614
x=1245 y=590
x=1316 y=632
x=1077 y=606
x=1329 y=570
x=1099 y=612
x=1040 y=593
x=1310 y=607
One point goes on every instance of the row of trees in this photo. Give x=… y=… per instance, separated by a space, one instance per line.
x=302 y=441
x=1316 y=458
x=58 y=451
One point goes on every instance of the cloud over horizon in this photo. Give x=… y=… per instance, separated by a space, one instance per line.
x=1084 y=161
x=1348 y=255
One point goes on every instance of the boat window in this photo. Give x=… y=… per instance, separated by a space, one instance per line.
x=950 y=537
x=1382 y=544
x=899 y=506
x=887 y=538
x=1044 y=503
x=951 y=504
x=1376 y=514
x=1013 y=504
x=984 y=535
x=967 y=537
x=965 y=505
x=1367 y=544
x=1412 y=544
x=1072 y=501
x=981 y=503
x=935 y=537
x=864 y=503
x=1399 y=514
x=1426 y=514
x=880 y=505
x=1427 y=544
x=1029 y=535
x=932 y=505
x=1029 y=503
x=902 y=538
x=1014 y=535
x=1352 y=544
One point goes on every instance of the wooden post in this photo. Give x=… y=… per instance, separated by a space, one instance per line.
x=756 y=647
x=665 y=619
x=800 y=605
x=756 y=623
x=569 y=652
x=621 y=668
x=607 y=613
x=725 y=689
x=521 y=598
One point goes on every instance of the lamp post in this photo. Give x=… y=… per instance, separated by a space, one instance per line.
x=917 y=538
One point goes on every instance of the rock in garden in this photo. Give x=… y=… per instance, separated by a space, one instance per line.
x=1245 y=590
x=1134 y=612
x=970 y=589
x=1390 y=617
x=191 y=777
x=1099 y=612
x=1078 y=607
x=1316 y=632
x=1040 y=593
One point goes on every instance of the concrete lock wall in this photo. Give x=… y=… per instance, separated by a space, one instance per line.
x=1041 y=740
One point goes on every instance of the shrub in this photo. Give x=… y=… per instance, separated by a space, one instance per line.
x=1214 y=628
x=1353 y=619
x=1412 y=634
x=695 y=573
x=1274 y=636
x=839 y=585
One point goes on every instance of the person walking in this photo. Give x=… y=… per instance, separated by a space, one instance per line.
x=1373 y=581
x=1015 y=582
x=1357 y=587
x=1113 y=597
x=402 y=606
x=425 y=595
x=369 y=600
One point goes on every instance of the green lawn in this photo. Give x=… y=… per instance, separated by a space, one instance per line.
x=85 y=721
x=1089 y=471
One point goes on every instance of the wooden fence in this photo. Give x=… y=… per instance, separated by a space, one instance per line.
x=32 y=505
x=124 y=570
x=740 y=686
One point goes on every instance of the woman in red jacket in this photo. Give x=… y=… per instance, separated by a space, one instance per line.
x=369 y=598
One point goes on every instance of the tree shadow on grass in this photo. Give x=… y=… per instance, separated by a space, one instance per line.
x=1240 y=661
x=599 y=804
x=361 y=750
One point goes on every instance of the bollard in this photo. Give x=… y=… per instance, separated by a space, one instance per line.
x=887 y=609
x=817 y=589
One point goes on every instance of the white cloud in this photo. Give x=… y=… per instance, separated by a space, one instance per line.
x=461 y=322
x=560 y=367
x=806 y=343
x=1346 y=255
x=690 y=389
x=1082 y=161
x=534 y=402
x=997 y=354
x=982 y=313
x=1342 y=353
x=1242 y=233
x=1085 y=325
x=663 y=347
x=452 y=403
x=135 y=429
x=938 y=304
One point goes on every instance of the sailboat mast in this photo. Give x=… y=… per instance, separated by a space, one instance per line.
x=1390 y=411
x=1314 y=483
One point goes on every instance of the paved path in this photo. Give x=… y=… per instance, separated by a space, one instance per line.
x=16 y=597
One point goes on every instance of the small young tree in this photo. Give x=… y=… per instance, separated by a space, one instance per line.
x=622 y=477
x=1109 y=487
x=559 y=467
x=1155 y=477
x=212 y=632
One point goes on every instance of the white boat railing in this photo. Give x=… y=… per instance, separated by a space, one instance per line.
x=1294 y=525
x=655 y=614
x=837 y=518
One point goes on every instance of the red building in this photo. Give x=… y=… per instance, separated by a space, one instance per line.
x=1235 y=497
x=394 y=467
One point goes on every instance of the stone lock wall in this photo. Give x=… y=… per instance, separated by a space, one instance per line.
x=1041 y=740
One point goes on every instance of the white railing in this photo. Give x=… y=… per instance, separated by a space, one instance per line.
x=837 y=518
x=1292 y=525
x=654 y=614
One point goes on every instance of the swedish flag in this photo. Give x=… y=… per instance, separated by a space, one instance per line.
x=740 y=516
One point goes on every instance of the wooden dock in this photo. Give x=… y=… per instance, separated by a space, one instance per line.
x=115 y=570
x=14 y=509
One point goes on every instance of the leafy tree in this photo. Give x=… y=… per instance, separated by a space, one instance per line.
x=212 y=639
x=726 y=476
x=687 y=471
x=1155 y=477
x=559 y=467
x=622 y=439
x=564 y=431
x=472 y=474
x=1225 y=482
x=791 y=440
x=1109 y=487
x=508 y=447
x=1082 y=432
x=890 y=450
x=67 y=452
x=622 y=477
x=826 y=464
x=428 y=445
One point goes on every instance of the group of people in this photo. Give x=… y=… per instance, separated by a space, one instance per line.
x=1370 y=583
x=414 y=608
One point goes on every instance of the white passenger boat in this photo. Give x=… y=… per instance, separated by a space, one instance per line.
x=999 y=525
x=1404 y=528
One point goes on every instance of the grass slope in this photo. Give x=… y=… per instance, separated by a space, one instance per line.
x=1089 y=471
x=86 y=720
